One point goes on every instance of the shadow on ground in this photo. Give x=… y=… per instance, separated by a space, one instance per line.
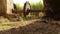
x=44 y=26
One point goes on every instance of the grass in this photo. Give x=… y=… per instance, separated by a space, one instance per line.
x=6 y=24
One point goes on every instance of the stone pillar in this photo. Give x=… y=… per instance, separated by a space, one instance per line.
x=9 y=6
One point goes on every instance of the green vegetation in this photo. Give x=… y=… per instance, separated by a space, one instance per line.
x=38 y=5
x=19 y=7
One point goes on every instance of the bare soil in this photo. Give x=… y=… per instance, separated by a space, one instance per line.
x=41 y=26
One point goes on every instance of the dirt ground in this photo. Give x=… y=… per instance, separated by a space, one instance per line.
x=40 y=26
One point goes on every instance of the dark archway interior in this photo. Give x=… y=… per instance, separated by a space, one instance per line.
x=52 y=8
